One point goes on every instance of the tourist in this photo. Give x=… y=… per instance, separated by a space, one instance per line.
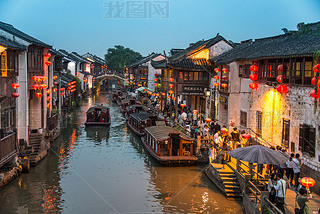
x=302 y=198
x=205 y=133
x=183 y=118
x=272 y=191
x=281 y=192
x=235 y=137
x=289 y=171
x=296 y=170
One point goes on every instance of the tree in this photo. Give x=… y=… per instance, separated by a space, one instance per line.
x=119 y=57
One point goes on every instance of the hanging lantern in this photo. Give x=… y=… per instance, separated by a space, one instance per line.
x=55 y=83
x=216 y=77
x=163 y=94
x=313 y=81
x=169 y=97
x=35 y=87
x=156 y=84
x=224 y=130
x=15 y=85
x=313 y=93
x=224 y=77
x=279 y=78
x=38 y=95
x=171 y=85
x=62 y=93
x=307 y=182
x=48 y=98
x=225 y=70
x=224 y=85
x=208 y=120
x=156 y=79
x=171 y=79
x=216 y=84
x=246 y=136
x=217 y=70
x=139 y=85
x=48 y=91
x=170 y=92
x=182 y=105
x=253 y=77
x=144 y=90
x=61 y=89
x=48 y=55
x=54 y=77
x=174 y=98
x=254 y=68
x=15 y=95
x=48 y=63
x=195 y=112
x=54 y=89
x=253 y=85
x=48 y=105
x=43 y=86
x=318 y=84
x=280 y=68
x=155 y=74
x=158 y=94
x=316 y=68
x=282 y=89
x=35 y=78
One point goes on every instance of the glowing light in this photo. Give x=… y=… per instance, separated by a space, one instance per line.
x=156 y=79
x=279 y=78
x=48 y=55
x=307 y=182
x=15 y=95
x=54 y=77
x=204 y=54
x=313 y=93
x=54 y=89
x=62 y=93
x=170 y=92
x=282 y=89
x=208 y=120
x=216 y=84
x=171 y=85
x=174 y=98
x=316 y=68
x=224 y=85
x=280 y=68
x=182 y=105
x=156 y=84
x=216 y=77
x=15 y=85
x=246 y=136
x=253 y=85
x=48 y=63
x=61 y=89
x=225 y=70
x=253 y=77
x=195 y=111
x=155 y=74
x=38 y=95
x=171 y=79
x=254 y=68
x=217 y=70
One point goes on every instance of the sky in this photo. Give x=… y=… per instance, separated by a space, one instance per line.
x=148 y=26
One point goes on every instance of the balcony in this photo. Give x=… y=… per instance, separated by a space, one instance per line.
x=8 y=148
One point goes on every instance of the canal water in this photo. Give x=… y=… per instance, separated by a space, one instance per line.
x=106 y=170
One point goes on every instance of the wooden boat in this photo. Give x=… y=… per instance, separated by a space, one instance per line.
x=115 y=95
x=169 y=146
x=135 y=109
x=139 y=121
x=98 y=116
x=128 y=102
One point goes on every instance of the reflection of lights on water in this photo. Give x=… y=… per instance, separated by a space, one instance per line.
x=50 y=200
x=205 y=197
x=64 y=152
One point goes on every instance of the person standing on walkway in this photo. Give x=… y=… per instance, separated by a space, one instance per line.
x=296 y=170
x=289 y=171
x=302 y=200
x=281 y=192
x=235 y=136
x=272 y=191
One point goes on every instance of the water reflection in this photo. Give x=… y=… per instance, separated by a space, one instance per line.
x=98 y=134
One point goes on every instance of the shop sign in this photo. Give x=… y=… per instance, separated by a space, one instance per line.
x=193 y=90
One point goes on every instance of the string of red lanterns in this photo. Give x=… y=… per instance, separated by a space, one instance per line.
x=15 y=86
x=315 y=93
x=253 y=76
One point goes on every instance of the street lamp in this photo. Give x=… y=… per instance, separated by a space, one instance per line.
x=208 y=93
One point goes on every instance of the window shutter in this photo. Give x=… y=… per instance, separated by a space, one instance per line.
x=312 y=145
x=301 y=137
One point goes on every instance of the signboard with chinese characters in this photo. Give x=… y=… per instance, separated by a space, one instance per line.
x=223 y=99
x=3 y=65
x=193 y=90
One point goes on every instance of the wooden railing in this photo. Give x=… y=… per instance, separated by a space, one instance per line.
x=268 y=207
x=8 y=148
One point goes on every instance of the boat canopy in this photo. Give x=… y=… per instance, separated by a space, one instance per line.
x=104 y=109
x=139 y=107
x=141 y=116
x=161 y=133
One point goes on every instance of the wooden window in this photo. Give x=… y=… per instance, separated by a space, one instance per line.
x=285 y=132
x=196 y=76
x=185 y=76
x=244 y=71
x=259 y=123
x=243 y=118
x=308 y=73
x=307 y=139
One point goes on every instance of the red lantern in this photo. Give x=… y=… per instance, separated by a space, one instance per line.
x=224 y=131
x=171 y=85
x=156 y=84
x=15 y=85
x=307 y=182
x=48 y=91
x=170 y=92
x=61 y=89
x=48 y=55
x=316 y=68
x=253 y=77
x=224 y=77
x=35 y=78
x=155 y=74
x=43 y=86
x=216 y=77
x=279 y=78
x=48 y=63
x=62 y=93
x=282 y=89
x=217 y=70
x=254 y=68
x=48 y=105
x=313 y=93
x=38 y=95
x=318 y=84
x=246 y=136
x=169 y=97
x=144 y=90
x=225 y=70
x=54 y=77
x=15 y=95
x=208 y=120
x=156 y=79
x=54 y=89
x=253 y=85
x=158 y=94
x=280 y=68
x=163 y=94
x=313 y=81
x=174 y=98
x=55 y=83
x=48 y=98
x=216 y=84
x=171 y=79
x=195 y=111
x=224 y=85
x=35 y=87
x=182 y=105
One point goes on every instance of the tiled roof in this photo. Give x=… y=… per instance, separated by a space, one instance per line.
x=10 y=29
x=55 y=52
x=303 y=42
x=11 y=44
x=94 y=58
x=145 y=59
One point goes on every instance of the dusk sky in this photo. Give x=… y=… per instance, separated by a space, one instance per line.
x=96 y=25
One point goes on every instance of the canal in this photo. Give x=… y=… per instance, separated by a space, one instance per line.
x=106 y=170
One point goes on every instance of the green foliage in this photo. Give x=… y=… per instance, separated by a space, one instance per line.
x=119 y=57
x=316 y=56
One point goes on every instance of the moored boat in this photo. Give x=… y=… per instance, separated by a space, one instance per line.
x=127 y=102
x=169 y=146
x=137 y=122
x=135 y=109
x=98 y=116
